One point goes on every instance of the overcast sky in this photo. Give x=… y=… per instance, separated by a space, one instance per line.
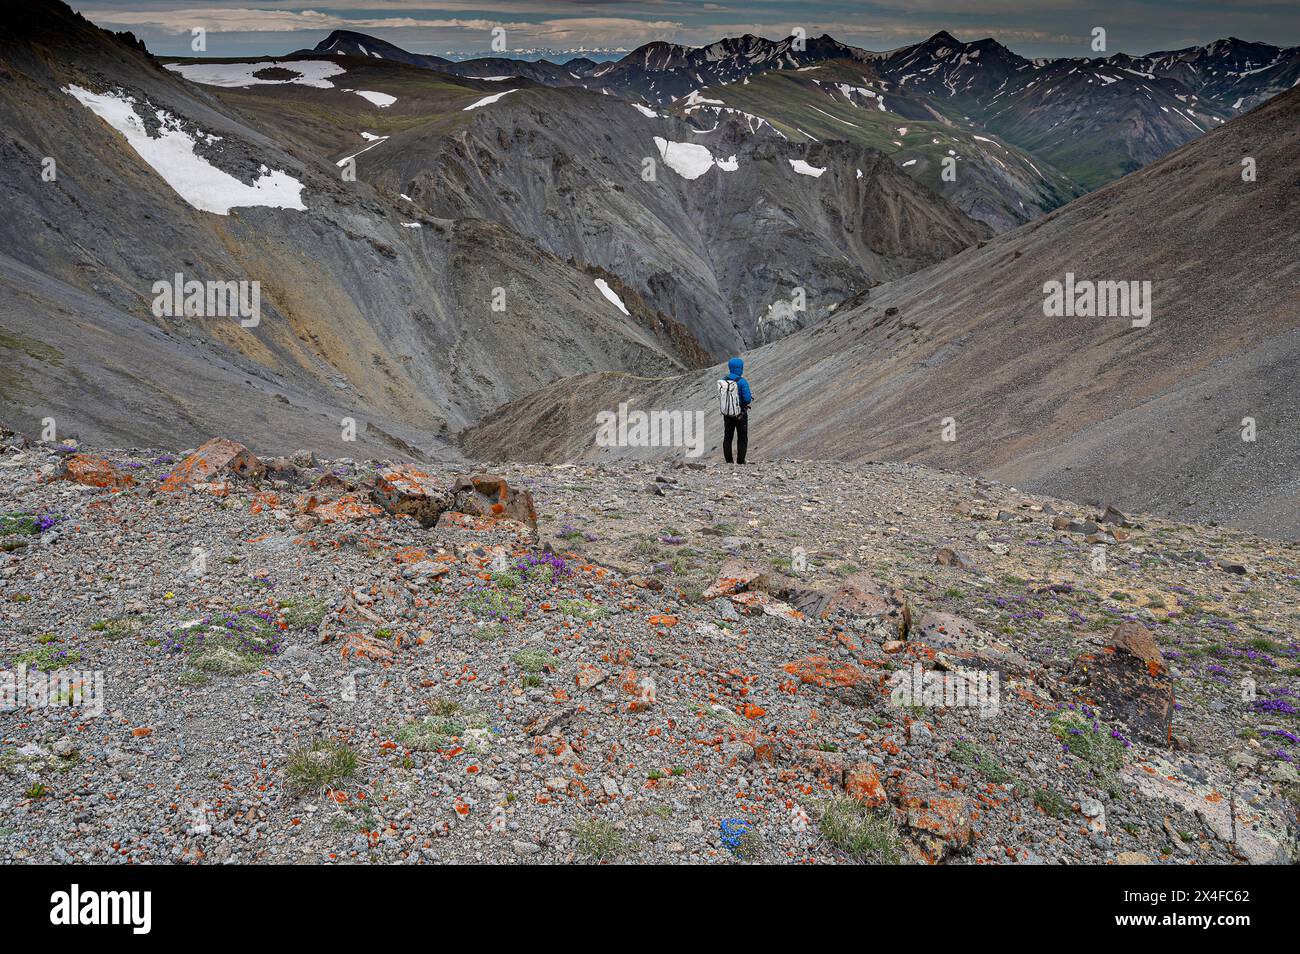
x=1037 y=28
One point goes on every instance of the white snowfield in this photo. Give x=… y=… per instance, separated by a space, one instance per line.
x=238 y=75
x=646 y=111
x=487 y=100
x=382 y=100
x=689 y=160
x=612 y=296
x=172 y=156
x=313 y=73
x=802 y=167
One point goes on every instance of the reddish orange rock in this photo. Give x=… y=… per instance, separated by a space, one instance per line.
x=90 y=471
x=411 y=555
x=218 y=456
x=411 y=491
x=266 y=500
x=589 y=676
x=347 y=508
x=736 y=576
x=847 y=682
x=936 y=825
x=862 y=783
x=487 y=495
x=361 y=646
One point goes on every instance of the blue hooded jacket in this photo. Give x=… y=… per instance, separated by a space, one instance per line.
x=737 y=366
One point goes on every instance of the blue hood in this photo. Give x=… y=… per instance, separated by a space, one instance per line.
x=736 y=366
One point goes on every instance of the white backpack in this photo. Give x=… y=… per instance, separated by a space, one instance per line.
x=728 y=398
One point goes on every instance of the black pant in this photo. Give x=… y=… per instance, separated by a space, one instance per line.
x=740 y=427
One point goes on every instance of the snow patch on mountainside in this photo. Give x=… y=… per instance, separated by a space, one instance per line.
x=611 y=295
x=686 y=159
x=802 y=167
x=488 y=100
x=313 y=73
x=368 y=137
x=171 y=154
x=382 y=100
x=693 y=98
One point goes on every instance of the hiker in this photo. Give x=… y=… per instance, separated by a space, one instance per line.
x=734 y=397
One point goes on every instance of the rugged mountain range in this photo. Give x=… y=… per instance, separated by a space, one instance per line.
x=494 y=239
x=663 y=72
x=1089 y=120
x=599 y=181
x=1189 y=414
x=1095 y=119
x=728 y=229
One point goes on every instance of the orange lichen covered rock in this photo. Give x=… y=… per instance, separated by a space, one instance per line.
x=362 y=646
x=589 y=676
x=91 y=471
x=844 y=681
x=486 y=495
x=862 y=783
x=736 y=577
x=1129 y=681
x=218 y=457
x=411 y=491
x=936 y=824
x=347 y=508
x=756 y=602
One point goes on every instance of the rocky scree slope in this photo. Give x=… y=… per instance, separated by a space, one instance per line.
x=329 y=661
